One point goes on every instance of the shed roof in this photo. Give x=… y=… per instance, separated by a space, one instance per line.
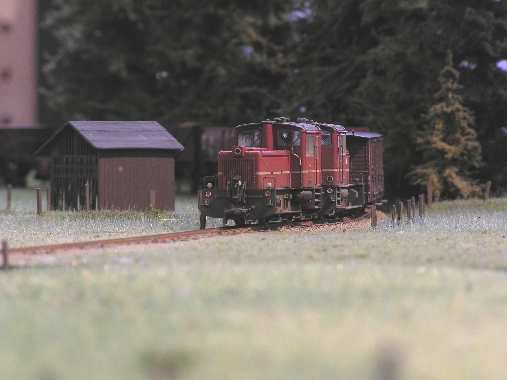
x=118 y=135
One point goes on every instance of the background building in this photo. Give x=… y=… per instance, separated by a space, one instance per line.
x=18 y=62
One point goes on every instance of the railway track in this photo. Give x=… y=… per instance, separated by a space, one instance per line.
x=160 y=238
x=170 y=237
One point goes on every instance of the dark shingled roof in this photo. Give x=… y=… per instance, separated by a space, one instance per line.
x=119 y=135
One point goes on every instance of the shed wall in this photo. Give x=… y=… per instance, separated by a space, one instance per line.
x=73 y=164
x=125 y=182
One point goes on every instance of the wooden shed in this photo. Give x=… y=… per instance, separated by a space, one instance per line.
x=124 y=164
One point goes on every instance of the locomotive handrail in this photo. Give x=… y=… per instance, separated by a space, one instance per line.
x=243 y=192
x=300 y=169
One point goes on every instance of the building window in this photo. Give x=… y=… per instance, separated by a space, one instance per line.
x=5 y=27
x=6 y=74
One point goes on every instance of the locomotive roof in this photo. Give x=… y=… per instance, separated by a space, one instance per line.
x=336 y=127
x=119 y=135
x=300 y=125
x=303 y=125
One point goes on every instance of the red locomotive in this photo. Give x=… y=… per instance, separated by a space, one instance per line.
x=282 y=170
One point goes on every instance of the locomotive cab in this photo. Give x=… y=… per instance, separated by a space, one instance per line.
x=273 y=171
x=339 y=195
x=335 y=157
x=302 y=141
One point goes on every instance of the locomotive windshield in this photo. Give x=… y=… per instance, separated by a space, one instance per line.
x=288 y=137
x=250 y=137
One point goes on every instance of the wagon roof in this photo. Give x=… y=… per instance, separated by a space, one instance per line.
x=365 y=135
x=119 y=135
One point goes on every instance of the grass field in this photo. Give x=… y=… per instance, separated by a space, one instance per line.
x=21 y=227
x=426 y=300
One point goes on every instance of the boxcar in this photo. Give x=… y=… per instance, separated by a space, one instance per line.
x=366 y=163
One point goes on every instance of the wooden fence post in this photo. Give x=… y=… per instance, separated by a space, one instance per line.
x=152 y=198
x=9 y=197
x=48 y=198
x=412 y=204
x=393 y=215
x=5 y=255
x=39 y=201
x=486 y=192
x=374 y=216
x=421 y=204
x=400 y=212
x=430 y=194
x=87 y=196
x=409 y=210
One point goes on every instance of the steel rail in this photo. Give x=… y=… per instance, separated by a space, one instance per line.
x=170 y=237
x=159 y=238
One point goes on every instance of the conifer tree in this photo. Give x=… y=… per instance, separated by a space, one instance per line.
x=449 y=145
x=204 y=61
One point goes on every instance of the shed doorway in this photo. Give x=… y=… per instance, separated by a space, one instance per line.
x=75 y=164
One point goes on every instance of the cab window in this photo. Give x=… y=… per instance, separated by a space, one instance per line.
x=250 y=137
x=288 y=137
x=326 y=138
x=310 y=145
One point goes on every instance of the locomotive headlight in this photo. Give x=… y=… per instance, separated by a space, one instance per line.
x=269 y=185
x=208 y=194
x=209 y=185
x=329 y=191
x=239 y=183
x=267 y=193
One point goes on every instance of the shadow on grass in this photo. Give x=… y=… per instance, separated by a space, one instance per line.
x=169 y=364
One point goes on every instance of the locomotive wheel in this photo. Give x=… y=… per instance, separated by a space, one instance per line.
x=240 y=222
x=264 y=222
x=203 y=222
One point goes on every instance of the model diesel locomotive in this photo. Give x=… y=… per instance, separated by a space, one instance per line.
x=281 y=170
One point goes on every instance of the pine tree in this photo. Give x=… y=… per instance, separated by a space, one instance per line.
x=205 y=61
x=449 y=145
x=374 y=63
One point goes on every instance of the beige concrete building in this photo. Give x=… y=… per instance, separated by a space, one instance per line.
x=18 y=62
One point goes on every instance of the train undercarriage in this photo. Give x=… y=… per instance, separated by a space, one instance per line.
x=250 y=206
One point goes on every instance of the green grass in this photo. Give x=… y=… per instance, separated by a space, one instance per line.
x=22 y=227
x=429 y=296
